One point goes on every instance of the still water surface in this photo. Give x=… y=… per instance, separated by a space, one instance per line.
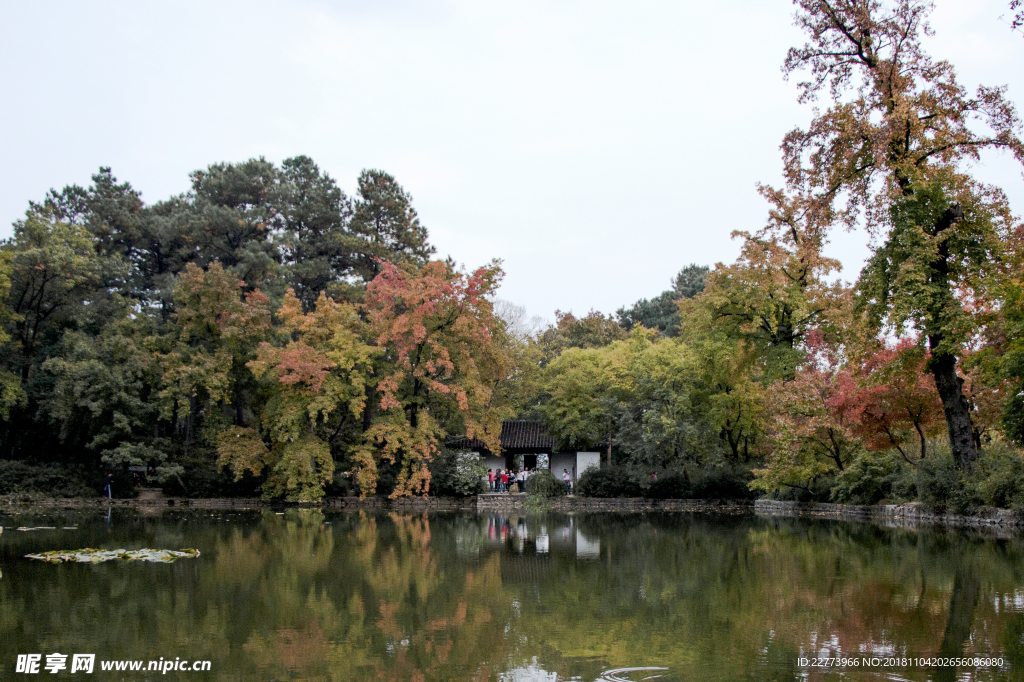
x=310 y=595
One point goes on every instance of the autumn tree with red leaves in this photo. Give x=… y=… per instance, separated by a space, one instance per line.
x=812 y=419
x=894 y=145
x=433 y=330
x=898 y=403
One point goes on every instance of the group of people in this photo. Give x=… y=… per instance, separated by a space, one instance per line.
x=506 y=480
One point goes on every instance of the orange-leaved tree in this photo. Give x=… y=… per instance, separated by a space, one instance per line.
x=434 y=331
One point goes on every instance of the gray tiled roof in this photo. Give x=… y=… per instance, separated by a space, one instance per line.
x=516 y=434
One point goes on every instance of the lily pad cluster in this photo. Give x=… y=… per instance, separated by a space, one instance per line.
x=98 y=556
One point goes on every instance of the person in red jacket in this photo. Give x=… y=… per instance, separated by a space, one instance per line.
x=490 y=479
x=504 y=480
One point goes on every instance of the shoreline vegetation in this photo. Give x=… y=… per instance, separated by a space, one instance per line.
x=267 y=335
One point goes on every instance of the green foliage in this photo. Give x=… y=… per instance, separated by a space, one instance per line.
x=662 y=312
x=778 y=290
x=868 y=479
x=299 y=470
x=1005 y=358
x=690 y=281
x=608 y=481
x=727 y=397
x=592 y=331
x=49 y=480
x=942 y=487
x=340 y=486
x=944 y=244
x=646 y=392
x=674 y=485
x=1001 y=478
x=141 y=454
x=202 y=482
x=457 y=473
x=579 y=383
x=722 y=481
x=543 y=483
x=1013 y=417
x=818 y=489
x=387 y=225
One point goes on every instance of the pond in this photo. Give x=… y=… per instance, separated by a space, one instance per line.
x=311 y=595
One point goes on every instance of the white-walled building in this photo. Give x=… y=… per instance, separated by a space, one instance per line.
x=530 y=441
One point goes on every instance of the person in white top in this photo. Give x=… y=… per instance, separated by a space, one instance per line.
x=568 y=480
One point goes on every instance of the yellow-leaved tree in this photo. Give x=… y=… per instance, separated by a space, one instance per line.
x=313 y=384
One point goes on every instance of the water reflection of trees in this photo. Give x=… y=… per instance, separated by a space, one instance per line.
x=394 y=596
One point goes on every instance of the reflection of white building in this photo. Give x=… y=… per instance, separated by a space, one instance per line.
x=518 y=535
x=528 y=444
x=587 y=548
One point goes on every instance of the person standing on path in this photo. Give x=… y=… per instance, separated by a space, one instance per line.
x=490 y=479
x=568 y=481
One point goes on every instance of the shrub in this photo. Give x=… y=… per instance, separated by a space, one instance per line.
x=722 y=482
x=200 y=482
x=1001 y=480
x=52 y=480
x=610 y=481
x=817 y=490
x=544 y=484
x=675 y=485
x=457 y=473
x=867 y=479
x=903 y=485
x=711 y=482
x=942 y=488
x=339 y=486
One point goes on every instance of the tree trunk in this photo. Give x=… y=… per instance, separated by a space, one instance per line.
x=962 y=604
x=943 y=363
x=368 y=408
x=955 y=407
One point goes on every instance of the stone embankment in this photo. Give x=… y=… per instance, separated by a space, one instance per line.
x=158 y=502
x=500 y=502
x=893 y=515
x=902 y=515
x=492 y=502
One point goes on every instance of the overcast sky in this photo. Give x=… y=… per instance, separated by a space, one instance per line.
x=596 y=147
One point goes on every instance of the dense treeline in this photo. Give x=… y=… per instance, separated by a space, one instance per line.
x=267 y=325
x=263 y=322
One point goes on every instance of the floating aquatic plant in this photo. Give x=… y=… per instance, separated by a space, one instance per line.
x=46 y=528
x=98 y=556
